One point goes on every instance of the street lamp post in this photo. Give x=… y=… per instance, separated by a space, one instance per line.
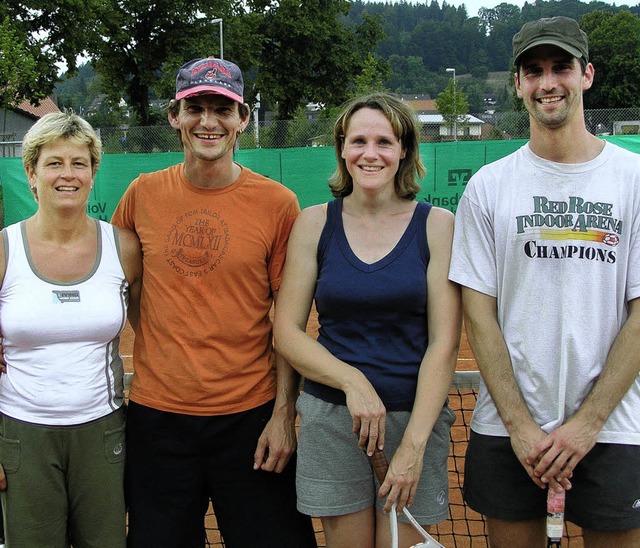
x=455 y=120
x=214 y=21
x=256 y=109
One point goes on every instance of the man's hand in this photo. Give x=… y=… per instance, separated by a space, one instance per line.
x=562 y=450
x=3 y=479
x=528 y=443
x=276 y=445
x=557 y=456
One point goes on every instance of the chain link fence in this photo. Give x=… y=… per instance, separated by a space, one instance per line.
x=286 y=134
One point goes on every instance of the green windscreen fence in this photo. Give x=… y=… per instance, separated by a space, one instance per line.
x=306 y=171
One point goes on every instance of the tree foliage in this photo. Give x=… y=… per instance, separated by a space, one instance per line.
x=296 y=52
x=293 y=51
x=614 y=50
x=137 y=41
x=309 y=53
x=18 y=69
x=452 y=103
x=372 y=77
x=78 y=92
x=45 y=34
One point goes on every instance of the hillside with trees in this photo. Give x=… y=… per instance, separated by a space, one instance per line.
x=292 y=52
x=422 y=40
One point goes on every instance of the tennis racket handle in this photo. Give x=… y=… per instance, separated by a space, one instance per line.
x=380 y=464
x=555 y=515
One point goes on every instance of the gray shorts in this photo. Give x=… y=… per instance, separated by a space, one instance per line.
x=334 y=476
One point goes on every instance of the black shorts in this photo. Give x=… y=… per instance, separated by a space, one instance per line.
x=605 y=493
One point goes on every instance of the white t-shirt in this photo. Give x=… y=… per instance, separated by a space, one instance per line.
x=557 y=246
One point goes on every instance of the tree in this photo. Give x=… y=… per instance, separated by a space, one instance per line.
x=372 y=77
x=453 y=105
x=499 y=43
x=137 y=43
x=614 y=49
x=78 y=91
x=473 y=90
x=18 y=69
x=308 y=53
x=409 y=75
x=43 y=35
x=291 y=51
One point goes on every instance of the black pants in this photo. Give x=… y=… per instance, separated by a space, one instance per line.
x=177 y=463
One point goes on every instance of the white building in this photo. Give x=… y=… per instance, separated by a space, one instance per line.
x=467 y=127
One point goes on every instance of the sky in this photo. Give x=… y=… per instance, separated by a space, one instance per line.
x=473 y=6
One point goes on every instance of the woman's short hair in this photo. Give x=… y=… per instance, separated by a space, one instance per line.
x=60 y=125
x=405 y=126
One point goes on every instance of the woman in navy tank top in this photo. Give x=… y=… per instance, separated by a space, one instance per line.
x=375 y=261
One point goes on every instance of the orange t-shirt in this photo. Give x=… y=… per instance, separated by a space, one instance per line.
x=212 y=259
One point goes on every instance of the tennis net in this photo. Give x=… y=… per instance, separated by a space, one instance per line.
x=464 y=528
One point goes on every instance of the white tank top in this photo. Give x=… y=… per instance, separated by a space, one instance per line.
x=61 y=340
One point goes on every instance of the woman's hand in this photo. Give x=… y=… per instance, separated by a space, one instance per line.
x=401 y=482
x=368 y=413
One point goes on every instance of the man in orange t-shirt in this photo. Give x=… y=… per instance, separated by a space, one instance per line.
x=212 y=407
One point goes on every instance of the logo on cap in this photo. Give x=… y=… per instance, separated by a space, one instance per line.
x=213 y=73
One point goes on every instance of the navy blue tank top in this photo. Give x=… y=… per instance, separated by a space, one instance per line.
x=374 y=316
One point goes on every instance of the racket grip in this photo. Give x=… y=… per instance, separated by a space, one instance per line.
x=380 y=464
x=555 y=516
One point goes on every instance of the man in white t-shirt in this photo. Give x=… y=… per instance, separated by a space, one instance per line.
x=547 y=249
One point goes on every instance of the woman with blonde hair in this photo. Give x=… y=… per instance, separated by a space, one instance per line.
x=66 y=283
